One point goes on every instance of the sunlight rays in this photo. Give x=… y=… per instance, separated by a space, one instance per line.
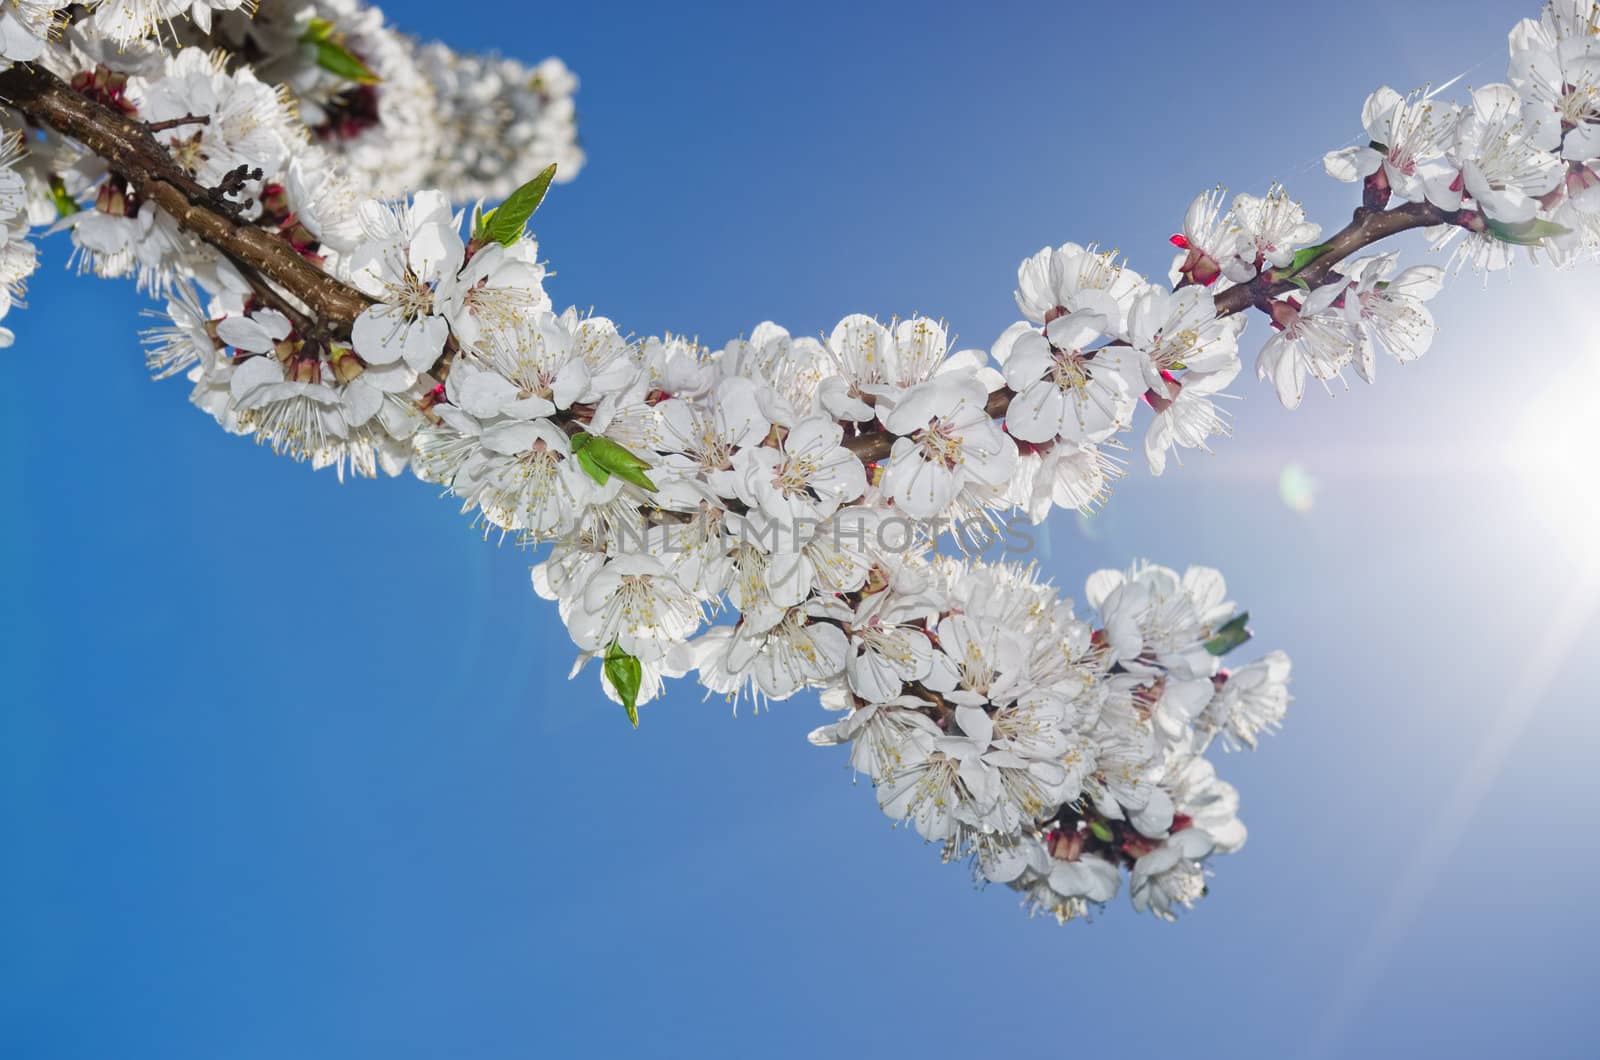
x=1570 y=618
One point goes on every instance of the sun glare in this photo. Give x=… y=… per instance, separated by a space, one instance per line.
x=1554 y=457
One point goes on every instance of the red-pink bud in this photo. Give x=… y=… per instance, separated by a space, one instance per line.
x=1375 y=192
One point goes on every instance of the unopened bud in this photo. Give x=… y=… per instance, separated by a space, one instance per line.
x=1161 y=403
x=1284 y=313
x=1580 y=178
x=1200 y=267
x=1137 y=846
x=305 y=370
x=274 y=201
x=1066 y=846
x=1375 y=192
x=346 y=365
x=877 y=581
x=112 y=198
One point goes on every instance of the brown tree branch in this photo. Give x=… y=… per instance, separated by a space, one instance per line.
x=133 y=153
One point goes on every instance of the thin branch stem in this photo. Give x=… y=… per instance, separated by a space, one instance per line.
x=178 y=123
x=266 y=293
x=1365 y=228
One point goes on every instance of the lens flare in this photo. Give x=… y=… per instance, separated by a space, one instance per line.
x=1297 y=488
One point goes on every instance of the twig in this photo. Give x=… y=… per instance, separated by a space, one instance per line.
x=268 y=294
x=178 y=123
x=1365 y=228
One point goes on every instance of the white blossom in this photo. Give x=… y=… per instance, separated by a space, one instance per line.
x=409 y=252
x=1064 y=388
x=1313 y=340
x=25 y=26
x=1171 y=876
x=1271 y=228
x=1496 y=161
x=947 y=444
x=1250 y=700
x=1389 y=309
x=1407 y=135
x=806 y=475
x=636 y=604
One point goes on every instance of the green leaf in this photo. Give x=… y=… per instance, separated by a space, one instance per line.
x=317 y=29
x=504 y=224
x=590 y=465
x=1525 y=233
x=597 y=452
x=1101 y=831
x=1230 y=635
x=65 y=204
x=1305 y=256
x=334 y=57
x=638 y=478
x=625 y=674
x=615 y=455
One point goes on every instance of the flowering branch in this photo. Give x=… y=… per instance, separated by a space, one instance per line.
x=1365 y=229
x=142 y=161
x=132 y=153
x=795 y=488
x=1368 y=227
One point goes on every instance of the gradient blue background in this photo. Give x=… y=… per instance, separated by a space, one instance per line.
x=292 y=769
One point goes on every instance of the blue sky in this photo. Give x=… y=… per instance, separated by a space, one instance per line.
x=289 y=768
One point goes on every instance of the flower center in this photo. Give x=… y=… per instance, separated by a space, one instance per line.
x=794 y=475
x=940 y=444
x=1071 y=370
x=411 y=296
